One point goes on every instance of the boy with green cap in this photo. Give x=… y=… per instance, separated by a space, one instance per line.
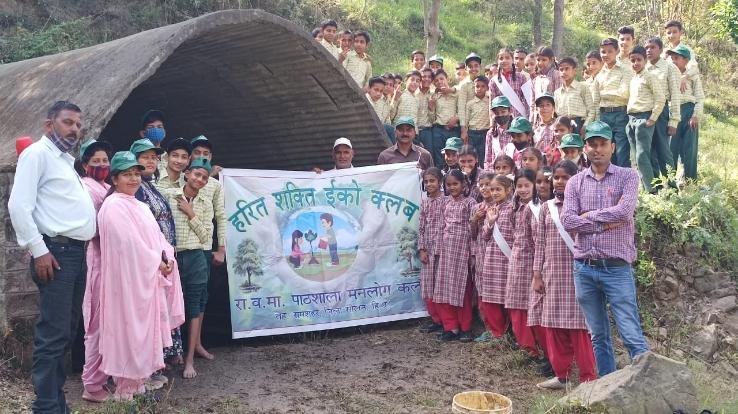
x=498 y=136
x=572 y=148
x=521 y=132
x=684 y=142
x=451 y=154
x=193 y=218
x=435 y=63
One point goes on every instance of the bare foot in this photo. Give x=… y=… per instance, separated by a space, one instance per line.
x=97 y=397
x=201 y=352
x=189 y=371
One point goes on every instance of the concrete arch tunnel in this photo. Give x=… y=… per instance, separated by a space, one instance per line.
x=257 y=85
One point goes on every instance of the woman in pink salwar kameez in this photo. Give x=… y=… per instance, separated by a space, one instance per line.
x=94 y=166
x=139 y=302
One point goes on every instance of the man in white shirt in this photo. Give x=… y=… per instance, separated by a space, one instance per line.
x=53 y=216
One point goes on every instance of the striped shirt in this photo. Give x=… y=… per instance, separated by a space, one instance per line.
x=610 y=199
x=695 y=94
x=381 y=107
x=406 y=105
x=423 y=112
x=359 y=67
x=692 y=66
x=611 y=88
x=574 y=100
x=477 y=113
x=646 y=94
x=195 y=233
x=668 y=76
x=445 y=108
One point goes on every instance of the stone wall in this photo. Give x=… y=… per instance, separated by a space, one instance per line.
x=18 y=293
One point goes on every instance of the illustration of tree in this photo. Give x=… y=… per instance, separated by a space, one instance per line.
x=310 y=236
x=407 y=246
x=248 y=263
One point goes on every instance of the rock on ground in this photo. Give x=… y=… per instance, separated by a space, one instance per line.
x=652 y=384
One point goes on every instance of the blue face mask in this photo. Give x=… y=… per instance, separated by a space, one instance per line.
x=155 y=135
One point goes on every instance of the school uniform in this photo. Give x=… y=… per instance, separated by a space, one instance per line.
x=646 y=102
x=477 y=121
x=575 y=101
x=465 y=93
x=444 y=110
x=479 y=244
x=545 y=141
x=517 y=87
x=567 y=337
x=359 y=67
x=544 y=82
x=382 y=108
x=493 y=281
x=668 y=76
x=405 y=105
x=684 y=143
x=519 y=278
x=692 y=66
x=429 y=239
x=496 y=141
x=332 y=49
x=472 y=189
x=424 y=124
x=535 y=300
x=453 y=286
x=610 y=90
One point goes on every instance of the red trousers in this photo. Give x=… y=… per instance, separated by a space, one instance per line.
x=526 y=336
x=567 y=345
x=456 y=318
x=495 y=317
x=433 y=311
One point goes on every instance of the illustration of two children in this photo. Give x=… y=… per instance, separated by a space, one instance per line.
x=327 y=240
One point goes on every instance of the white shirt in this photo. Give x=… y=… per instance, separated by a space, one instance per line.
x=48 y=197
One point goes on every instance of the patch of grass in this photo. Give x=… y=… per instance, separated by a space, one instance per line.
x=714 y=391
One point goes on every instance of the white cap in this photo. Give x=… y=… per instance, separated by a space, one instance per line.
x=342 y=141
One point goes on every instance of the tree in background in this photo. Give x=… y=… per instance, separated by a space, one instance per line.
x=248 y=263
x=557 y=42
x=431 y=26
x=537 y=30
x=726 y=14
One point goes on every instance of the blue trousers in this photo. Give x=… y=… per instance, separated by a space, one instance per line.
x=618 y=120
x=596 y=288
x=440 y=135
x=478 y=138
x=684 y=143
x=640 y=137
x=661 y=156
x=60 y=309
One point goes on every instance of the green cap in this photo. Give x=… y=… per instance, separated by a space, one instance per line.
x=681 y=50
x=201 y=140
x=598 y=129
x=436 y=58
x=123 y=160
x=520 y=125
x=571 y=141
x=405 y=120
x=472 y=56
x=92 y=144
x=200 y=162
x=546 y=95
x=501 y=102
x=453 y=144
x=141 y=145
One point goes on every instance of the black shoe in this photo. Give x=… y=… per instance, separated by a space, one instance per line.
x=544 y=367
x=466 y=337
x=448 y=336
x=431 y=327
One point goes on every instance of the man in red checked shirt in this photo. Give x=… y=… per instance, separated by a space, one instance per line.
x=599 y=205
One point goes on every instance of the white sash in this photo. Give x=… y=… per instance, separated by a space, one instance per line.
x=496 y=147
x=501 y=243
x=527 y=89
x=510 y=94
x=560 y=227
x=535 y=208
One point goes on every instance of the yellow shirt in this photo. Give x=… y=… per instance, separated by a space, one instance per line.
x=668 y=77
x=359 y=67
x=445 y=108
x=574 y=100
x=423 y=113
x=165 y=183
x=381 y=107
x=465 y=93
x=611 y=87
x=695 y=94
x=692 y=66
x=406 y=105
x=333 y=49
x=646 y=94
x=477 y=113
x=192 y=233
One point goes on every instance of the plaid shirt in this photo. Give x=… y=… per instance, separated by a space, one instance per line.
x=479 y=244
x=546 y=142
x=493 y=281
x=611 y=199
x=496 y=135
x=445 y=108
x=429 y=234
x=574 y=100
x=192 y=234
x=556 y=263
x=520 y=265
x=453 y=266
x=406 y=105
x=382 y=108
x=695 y=94
x=669 y=78
x=611 y=88
x=359 y=67
x=465 y=92
x=516 y=84
x=423 y=113
x=477 y=113
x=646 y=94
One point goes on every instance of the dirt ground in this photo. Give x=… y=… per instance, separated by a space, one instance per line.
x=388 y=368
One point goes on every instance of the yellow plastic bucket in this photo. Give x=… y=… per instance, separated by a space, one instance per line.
x=474 y=402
